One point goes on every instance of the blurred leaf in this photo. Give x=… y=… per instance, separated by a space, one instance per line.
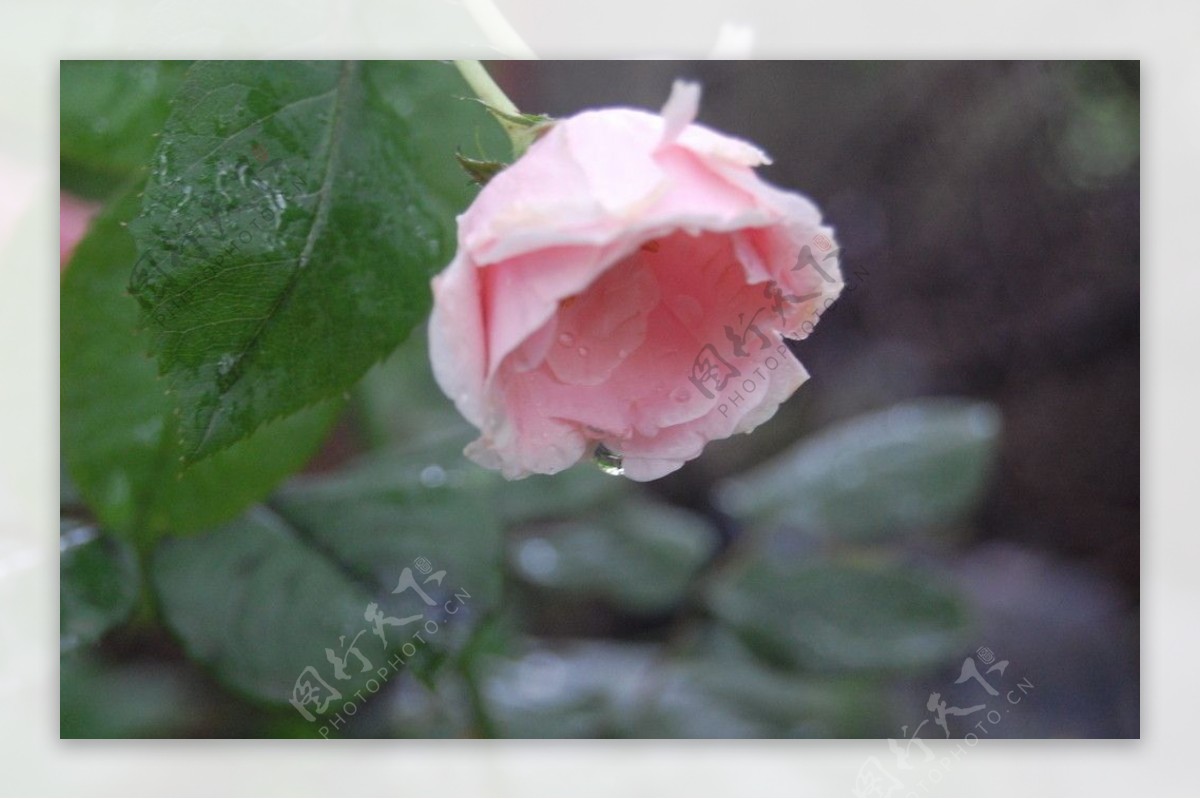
x=383 y=513
x=833 y=617
x=258 y=604
x=728 y=694
x=564 y=495
x=266 y=596
x=398 y=401
x=880 y=475
x=640 y=556
x=294 y=218
x=109 y=115
x=591 y=689
x=98 y=584
x=583 y=689
x=119 y=432
x=138 y=701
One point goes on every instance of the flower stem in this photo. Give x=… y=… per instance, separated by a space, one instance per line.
x=503 y=109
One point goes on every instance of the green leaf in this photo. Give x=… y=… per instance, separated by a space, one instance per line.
x=110 y=113
x=580 y=689
x=295 y=216
x=98 y=584
x=261 y=599
x=905 y=469
x=119 y=432
x=258 y=605
x=639 y=556
x=398 y=402
x=565 y=495
x=728 y=694
x=835 y=617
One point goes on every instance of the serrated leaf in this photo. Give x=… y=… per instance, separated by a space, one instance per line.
x=835 y=617
x=109 y=115
x=885 y=474
x=119 y=431
x=294 y=218
x=261 y=599
x=98 y=584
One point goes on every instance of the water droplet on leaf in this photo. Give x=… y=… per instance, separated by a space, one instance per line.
x=433 y=476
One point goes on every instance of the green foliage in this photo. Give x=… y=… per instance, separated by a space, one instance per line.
x=262 y=598
x=636 y=555
x=119 y=430
x=137 y=701
x=257 y=604
x=288 y=233
x=834 y=617
x=910 y=468
x=725 y=693
x=110 y=113
x=98 y=584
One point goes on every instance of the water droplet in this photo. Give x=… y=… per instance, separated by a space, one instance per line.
x=681 y=394
x=608 y=461
x=583 y=352
x=566 y=339
x=537 y=558
x=622 y=353
x=541 y=677
x=433 y=476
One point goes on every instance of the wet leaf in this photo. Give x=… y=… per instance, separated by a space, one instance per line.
x=119 y=430
x=294 y=217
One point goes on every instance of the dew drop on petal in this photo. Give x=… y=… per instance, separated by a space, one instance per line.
x=608 y=461
x=566 y=339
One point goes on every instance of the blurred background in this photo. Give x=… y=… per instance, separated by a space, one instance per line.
x=959 y=480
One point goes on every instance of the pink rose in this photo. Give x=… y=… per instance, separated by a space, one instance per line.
x=627 y=281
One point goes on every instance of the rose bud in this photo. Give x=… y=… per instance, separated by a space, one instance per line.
x=624 y=288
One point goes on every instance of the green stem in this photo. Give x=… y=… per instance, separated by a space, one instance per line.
x=497 y=101
x=485 y=88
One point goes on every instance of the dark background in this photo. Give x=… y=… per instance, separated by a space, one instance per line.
x=989 y=215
